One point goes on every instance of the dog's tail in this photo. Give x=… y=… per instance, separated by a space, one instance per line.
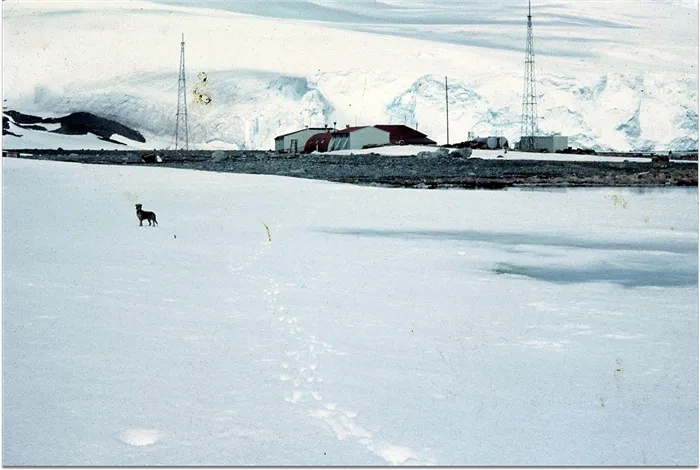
x=154 y=219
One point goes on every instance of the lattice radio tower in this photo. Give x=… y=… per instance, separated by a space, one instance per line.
x=181 y=117
x=528 y=121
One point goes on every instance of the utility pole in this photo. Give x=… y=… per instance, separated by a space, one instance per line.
x=528 y=122
x=447 y=112
x=181 y=116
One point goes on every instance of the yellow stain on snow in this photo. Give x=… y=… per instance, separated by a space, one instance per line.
x=267 y=229
x=618 y=200
x=200 y=92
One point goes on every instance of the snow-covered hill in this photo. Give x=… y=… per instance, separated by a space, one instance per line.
x=611 y=75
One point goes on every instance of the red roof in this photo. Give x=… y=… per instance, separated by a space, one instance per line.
x=401 y=134
x=318 y=142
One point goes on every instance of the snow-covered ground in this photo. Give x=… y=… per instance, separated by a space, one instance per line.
x=614 y=75
x=35 y=139
x=368 y=326
x=409 y=150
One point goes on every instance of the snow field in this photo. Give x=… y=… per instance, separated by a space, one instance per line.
x=373 y=326
x=411 y=150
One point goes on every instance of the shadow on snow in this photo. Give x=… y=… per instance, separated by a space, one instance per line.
x=662 y=263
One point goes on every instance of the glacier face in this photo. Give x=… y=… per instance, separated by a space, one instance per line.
x=245 y=111
x=352 y=70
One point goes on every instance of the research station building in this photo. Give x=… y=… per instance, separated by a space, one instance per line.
x=550 y=143
x=348 y=138
x=294 y=142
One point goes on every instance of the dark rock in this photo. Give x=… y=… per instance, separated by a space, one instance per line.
x=21 y=118
x=466 y=152
x=79 y=123
x=149 y=158
x=83 y=123
x=218 y=156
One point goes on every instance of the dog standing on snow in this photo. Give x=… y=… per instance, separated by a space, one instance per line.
x=145 y=215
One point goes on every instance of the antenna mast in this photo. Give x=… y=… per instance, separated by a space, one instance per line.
x=447 y=113
x=181 y=117
x=528 y=121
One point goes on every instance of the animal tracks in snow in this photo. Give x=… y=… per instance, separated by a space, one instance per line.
x=253 y=258
x=345 y=426
x=342 y=423
x=301 y=370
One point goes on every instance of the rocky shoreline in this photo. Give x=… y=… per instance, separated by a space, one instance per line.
x=424 y=171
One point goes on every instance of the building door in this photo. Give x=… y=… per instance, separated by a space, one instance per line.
x=294 y=146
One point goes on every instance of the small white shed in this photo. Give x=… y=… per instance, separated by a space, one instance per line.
x=550 y=143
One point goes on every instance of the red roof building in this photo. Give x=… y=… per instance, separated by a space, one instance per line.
x=318 y=142
x=358 y=137
x=296 y=141
x=404 y=135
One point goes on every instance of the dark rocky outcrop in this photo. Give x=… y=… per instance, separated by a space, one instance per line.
x=660 y=159
x=21 y=118
x=577 y=151
x=83 y=123
x=6 y=127
x=80 y=123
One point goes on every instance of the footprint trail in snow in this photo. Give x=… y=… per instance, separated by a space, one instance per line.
x=300 y=368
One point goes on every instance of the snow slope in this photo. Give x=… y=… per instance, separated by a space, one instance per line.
x=623 y=78
x=368 y=326
x=36 y=139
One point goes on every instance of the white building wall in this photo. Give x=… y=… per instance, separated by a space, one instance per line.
x=301 y=137
x=551 y=143
x=560 y=142
x=367 y=136
x=338 y=142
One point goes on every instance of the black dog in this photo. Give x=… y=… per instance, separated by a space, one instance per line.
x=145 y=215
